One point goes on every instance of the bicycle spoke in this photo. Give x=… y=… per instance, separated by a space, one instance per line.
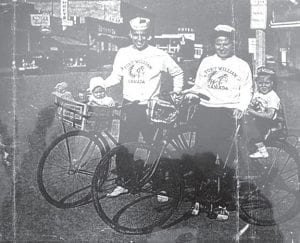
x=140 y=209
x=279 y=184
x=73 y=193
x=66 y=168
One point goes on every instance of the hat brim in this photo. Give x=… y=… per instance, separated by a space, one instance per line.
x=224 y=34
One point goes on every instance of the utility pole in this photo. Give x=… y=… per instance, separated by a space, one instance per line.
x=233 y=23
x=260 y=48
x=51 y=7
x=259 y=24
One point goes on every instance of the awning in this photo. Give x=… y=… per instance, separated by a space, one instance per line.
x=113 y=37
x=281 y=25
x=67 y=41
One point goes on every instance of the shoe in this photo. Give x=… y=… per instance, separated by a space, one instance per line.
x=196 y=209
x=162 y=197
x=222 y=214
x=119 y=190
x=259 y=154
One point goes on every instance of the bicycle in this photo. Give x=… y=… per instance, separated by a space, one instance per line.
x=275 y=197
x=148 y=180
x=67 y=165
x=158 y=181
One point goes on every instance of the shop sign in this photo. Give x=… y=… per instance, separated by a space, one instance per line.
x=66 y=22
x=64 y=10
x=258 y=14
x=40 y=19
x=114 y=19
x=252 y=45
x=106 y=30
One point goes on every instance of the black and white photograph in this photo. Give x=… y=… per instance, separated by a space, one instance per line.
x=156 y=121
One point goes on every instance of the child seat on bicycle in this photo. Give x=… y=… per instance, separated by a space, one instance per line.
x=262 y=111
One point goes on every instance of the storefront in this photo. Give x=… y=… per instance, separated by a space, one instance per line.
x=283 y=39
x=104 y=40
x=22 y=32
x=287 y=46
x=180 y=45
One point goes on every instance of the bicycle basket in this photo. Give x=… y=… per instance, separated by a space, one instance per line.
x=82 y=116
x=161 y=111
x=100 y=115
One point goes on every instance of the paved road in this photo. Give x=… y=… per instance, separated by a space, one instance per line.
x=36 y=220
x=39 y=221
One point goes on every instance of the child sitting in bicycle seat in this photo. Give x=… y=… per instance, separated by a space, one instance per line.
x=98 y=95
x=262 y=111
x=61 y=91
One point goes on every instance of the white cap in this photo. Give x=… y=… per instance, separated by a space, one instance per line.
x=224 y=28
x=96 y=82
x=140 y=23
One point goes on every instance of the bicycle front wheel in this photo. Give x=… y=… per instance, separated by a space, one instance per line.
x=153 y=190
x=275 y=198
x=66 y=168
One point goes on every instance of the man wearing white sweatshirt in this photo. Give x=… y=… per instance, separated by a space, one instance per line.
x=139 y=66
x=227 y=81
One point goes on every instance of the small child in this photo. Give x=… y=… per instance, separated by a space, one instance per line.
x=61 y=91
x=262 y=111
x=98 y=94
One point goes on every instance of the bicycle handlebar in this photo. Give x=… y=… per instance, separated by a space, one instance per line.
x=120 y=107
x=200 y=95
x=180 y=97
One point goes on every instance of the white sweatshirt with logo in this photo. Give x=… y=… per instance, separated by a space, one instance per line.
x=227 y=82
x=140 y=71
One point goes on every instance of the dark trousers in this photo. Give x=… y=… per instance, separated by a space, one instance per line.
x=133 y=122
x=256 y=128
x=215 y=130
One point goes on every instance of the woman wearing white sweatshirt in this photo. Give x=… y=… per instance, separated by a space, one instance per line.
x=227 y=81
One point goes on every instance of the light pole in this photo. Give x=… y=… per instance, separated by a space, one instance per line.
x=233 y=23
x=259 y=24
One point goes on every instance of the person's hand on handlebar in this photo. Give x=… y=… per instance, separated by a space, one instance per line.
x=176 y=96
x=193 y=95
x=238 y=113
x=189 y=95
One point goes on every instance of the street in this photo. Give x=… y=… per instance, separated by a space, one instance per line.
x=44 y=43
x=37 y=220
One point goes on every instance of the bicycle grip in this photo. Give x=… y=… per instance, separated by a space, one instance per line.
x=200 y=95
x=203 y=96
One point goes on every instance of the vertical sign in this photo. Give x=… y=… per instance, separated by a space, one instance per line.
x=260 y=49
x=258 y=14
x=252 y=45
x=64 y=10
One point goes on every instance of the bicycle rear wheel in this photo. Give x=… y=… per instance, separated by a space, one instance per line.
x=153 y=192
x=66 y=168
x=182 y=141
x=275 y=197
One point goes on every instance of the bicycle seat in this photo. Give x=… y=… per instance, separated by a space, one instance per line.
x=279 y=130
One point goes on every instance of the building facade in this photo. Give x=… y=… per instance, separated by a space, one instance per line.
x=283 y=36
